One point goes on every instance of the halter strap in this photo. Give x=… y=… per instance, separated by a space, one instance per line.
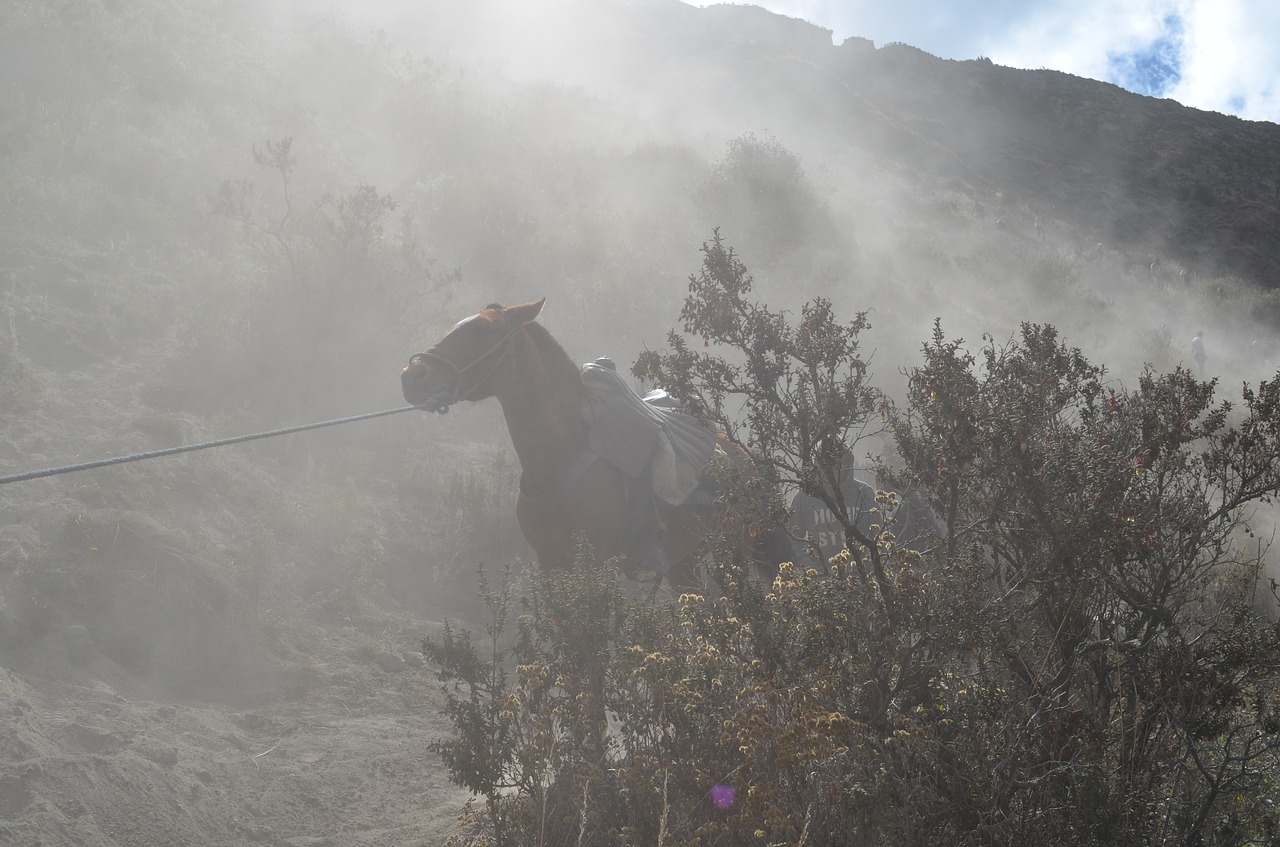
x=442 y=400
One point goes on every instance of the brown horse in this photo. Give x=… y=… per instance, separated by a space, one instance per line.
x=566 y=492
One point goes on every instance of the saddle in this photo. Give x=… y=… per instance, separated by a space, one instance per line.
x=644 y=436
x=660 y=450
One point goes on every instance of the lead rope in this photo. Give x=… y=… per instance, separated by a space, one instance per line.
x=204 y=445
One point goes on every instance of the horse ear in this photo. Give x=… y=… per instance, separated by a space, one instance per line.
x=526 y=312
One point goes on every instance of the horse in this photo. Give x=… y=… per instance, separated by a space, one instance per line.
x=567 y=494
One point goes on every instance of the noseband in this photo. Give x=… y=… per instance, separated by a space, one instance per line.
x=442 y=400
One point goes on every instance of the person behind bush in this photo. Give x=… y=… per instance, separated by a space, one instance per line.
x=915 y=524
x=814 y=520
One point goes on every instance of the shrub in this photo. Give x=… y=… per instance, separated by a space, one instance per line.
x=318 y=281
x=1081 y=667
x=758 y=190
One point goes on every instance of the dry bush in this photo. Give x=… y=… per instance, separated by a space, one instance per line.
x=1081 y=663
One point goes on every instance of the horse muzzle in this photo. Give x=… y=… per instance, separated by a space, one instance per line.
x=417 y=385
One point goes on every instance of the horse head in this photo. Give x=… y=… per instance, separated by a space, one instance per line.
x=472 y=361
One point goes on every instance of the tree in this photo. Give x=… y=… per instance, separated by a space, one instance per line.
x=1082 y=666
x=320 y=277
x=794 y=393
x=759 y=192
x=1108 y=527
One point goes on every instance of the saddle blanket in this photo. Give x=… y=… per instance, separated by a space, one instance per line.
x=637 y=435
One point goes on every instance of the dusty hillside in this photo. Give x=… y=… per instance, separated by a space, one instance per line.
x=217 y=218
x=1094 y=155
x=1135 y=172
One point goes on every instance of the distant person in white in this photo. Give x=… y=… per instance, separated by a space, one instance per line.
x=1197 y=350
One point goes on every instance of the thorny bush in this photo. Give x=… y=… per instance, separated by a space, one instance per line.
x=1081 y=664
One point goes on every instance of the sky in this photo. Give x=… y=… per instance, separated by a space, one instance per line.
x=1218 y=55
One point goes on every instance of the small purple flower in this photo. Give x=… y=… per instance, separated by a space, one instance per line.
x=722 y=796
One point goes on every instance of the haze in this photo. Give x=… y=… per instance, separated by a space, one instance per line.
x=222 y=217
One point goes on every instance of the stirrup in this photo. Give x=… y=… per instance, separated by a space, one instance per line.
x=641 y=572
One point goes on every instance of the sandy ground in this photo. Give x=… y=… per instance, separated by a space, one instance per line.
x=327 y=745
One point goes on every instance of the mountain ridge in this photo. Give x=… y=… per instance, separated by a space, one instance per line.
x=1089 y=152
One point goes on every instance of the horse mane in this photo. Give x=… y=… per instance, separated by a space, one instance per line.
x=559 y=365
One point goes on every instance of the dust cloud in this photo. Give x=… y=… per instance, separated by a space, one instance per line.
x=220 y=217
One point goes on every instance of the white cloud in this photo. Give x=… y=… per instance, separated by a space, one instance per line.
x=1232 y=60
x=1081 y=38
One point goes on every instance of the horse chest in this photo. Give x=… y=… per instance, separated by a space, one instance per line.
x=593 y=510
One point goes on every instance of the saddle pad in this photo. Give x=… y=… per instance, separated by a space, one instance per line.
x=634 y=435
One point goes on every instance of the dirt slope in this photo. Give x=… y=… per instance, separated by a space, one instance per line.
x=330 y=748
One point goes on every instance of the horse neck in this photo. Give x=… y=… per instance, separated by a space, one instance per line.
x=542 y=407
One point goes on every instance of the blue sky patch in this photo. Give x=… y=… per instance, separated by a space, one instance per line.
x=1155 y=69
x=1218 y=58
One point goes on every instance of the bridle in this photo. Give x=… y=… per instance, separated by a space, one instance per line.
x=442 y=400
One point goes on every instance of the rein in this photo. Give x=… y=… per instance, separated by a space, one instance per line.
x=442 y=400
